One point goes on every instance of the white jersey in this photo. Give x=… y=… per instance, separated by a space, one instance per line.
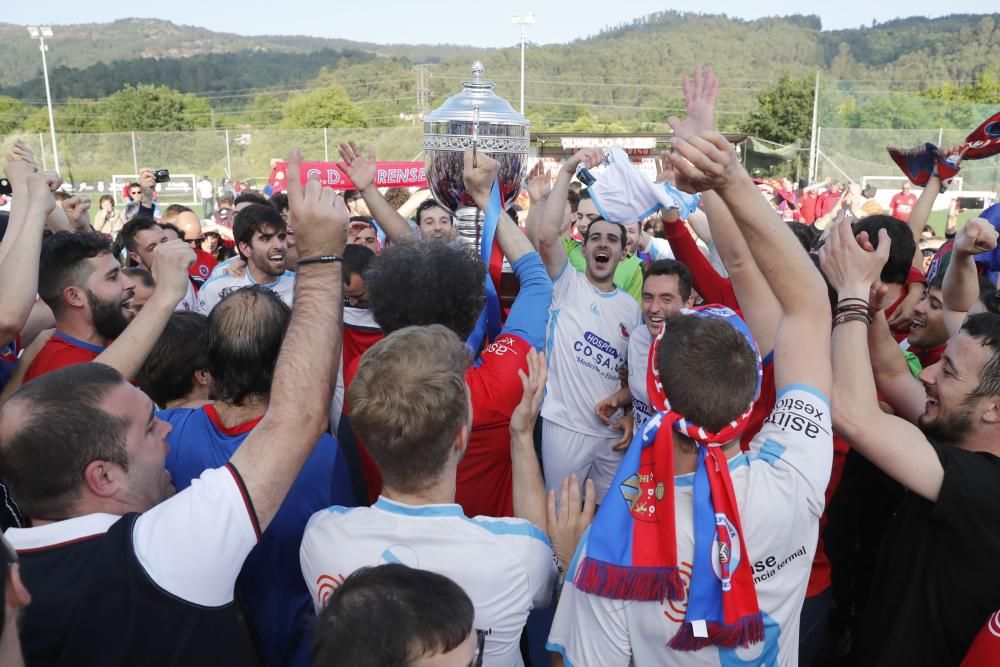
x=506 y=566
x=215 y=289
x=190 y=300
x=220 y=268
x=638 y=360
x=779 y=486
x=659 y=249
x=586 y=346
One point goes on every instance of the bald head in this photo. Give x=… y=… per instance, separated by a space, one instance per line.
x=189 y=224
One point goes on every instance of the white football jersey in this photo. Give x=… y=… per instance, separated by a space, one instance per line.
x=214 y=289
x=638 y=360
x=190 y=300
x=506 y=566
x=586 y=346
x=779 y=486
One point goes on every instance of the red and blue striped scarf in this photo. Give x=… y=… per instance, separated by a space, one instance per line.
x=632 y=548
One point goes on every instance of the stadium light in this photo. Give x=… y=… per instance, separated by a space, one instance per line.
x=522 y=20
x=40 y=33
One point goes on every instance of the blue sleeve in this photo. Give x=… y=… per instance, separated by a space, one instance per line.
x=530 y=312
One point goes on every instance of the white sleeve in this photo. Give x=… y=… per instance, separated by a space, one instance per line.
x=532 y=549
x=562 y=286
x=659 y=249
x=207 y=298
x=590 y=630
x=798 y=433
x=193 y=545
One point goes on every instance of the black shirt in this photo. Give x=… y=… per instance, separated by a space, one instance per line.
x=936 y=579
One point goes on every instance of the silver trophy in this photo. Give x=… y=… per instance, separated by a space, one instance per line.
x=475 y=118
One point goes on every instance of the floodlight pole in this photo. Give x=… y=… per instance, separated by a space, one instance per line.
x=40 y=34
x=522 y=20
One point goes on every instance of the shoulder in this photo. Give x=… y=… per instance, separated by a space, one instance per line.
x=505 y=528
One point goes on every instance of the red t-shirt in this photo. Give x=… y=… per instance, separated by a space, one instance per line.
x=361 y=331
x=902 y=205
x=61 y=351
x=985 y=650
x=807 y=208
x=825 y=202
x=485 y=483
x=202 y=268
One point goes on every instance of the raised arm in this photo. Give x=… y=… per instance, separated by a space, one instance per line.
x=707 y=161
x=272 y=455
x=170 y=269
x=362 y=172
x=960 y=290
x=896 y=446
x=21 y=248
x=893 y=379
x=479 y=178
x=538 y=185
x=550 y=246
x=529 y=489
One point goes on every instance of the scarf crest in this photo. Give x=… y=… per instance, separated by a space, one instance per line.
x=632 y=548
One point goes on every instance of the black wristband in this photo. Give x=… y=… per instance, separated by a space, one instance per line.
x=320 y=259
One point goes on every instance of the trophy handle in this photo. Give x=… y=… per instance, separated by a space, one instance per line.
x=475 y=134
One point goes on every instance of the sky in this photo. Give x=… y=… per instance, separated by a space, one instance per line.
x=456 y=21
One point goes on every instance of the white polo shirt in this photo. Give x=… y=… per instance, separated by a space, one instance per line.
x=506 y=566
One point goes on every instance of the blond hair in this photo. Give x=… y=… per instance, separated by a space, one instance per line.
x=408 y=402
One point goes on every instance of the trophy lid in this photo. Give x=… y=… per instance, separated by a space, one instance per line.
x=477 y=94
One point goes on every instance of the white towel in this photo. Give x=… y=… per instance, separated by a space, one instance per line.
x=623 y=194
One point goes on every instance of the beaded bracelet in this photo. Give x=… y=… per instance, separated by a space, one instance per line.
x=320 y=259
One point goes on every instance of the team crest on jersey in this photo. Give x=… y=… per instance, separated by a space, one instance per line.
x=623 y=330
x=641 y=492
x=726 y=550
x=203 y=270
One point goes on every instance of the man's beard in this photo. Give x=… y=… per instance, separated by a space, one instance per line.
x=948 y=430
x=109 y=320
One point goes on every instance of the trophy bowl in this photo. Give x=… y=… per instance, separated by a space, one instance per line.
x=480 y=119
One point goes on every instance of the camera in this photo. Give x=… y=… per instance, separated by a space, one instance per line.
x=5 y=189
x=970 y=203
x=162 y=175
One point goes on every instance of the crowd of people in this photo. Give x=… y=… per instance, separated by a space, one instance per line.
x=722 y=422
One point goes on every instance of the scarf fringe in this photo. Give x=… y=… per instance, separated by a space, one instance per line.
x=626 y=582
x=749 y=630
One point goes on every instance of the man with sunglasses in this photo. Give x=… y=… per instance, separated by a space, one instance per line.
x=187 y=221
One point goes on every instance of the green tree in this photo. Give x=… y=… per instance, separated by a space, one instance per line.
x=266 y=111
x=12 y=114
x=784 y=111
x=156 y=108
x=71 y=117
x=326 y=107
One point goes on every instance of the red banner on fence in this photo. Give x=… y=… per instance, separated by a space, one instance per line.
x=387 y=175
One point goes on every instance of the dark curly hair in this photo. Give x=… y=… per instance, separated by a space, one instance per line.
x=426 y=282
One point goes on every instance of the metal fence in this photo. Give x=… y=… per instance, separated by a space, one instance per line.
x=842 y=154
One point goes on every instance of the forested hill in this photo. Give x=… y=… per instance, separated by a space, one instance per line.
x=627 y=73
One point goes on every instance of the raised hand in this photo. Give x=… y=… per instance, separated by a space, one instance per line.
x=522 y=421
x=320 y=214
x=361 y=171
x=664 y=169
x=77 y=212
x=588 y=157
x=566 y=525
x=479 y=177
x=704 y=161
x=977 y=236
x=700 y=93
x=171 y=261
x=39 y=194
x=848 y=266
x=538 y=182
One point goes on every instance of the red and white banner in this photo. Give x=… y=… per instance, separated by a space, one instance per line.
x=387 y=175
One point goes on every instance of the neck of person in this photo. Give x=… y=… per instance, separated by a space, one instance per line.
x=686 y=453
x=981 y=438
x=602 y=285
x=895 y=291
x=258 y=276
x=75 y=326
x=234 y=414
x=441 y=492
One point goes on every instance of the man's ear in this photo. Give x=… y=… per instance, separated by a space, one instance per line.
x=991 y=415
x=202 y=377
x=15 y=591
x=103 y=478
x=74 y=296
x=243 y=248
